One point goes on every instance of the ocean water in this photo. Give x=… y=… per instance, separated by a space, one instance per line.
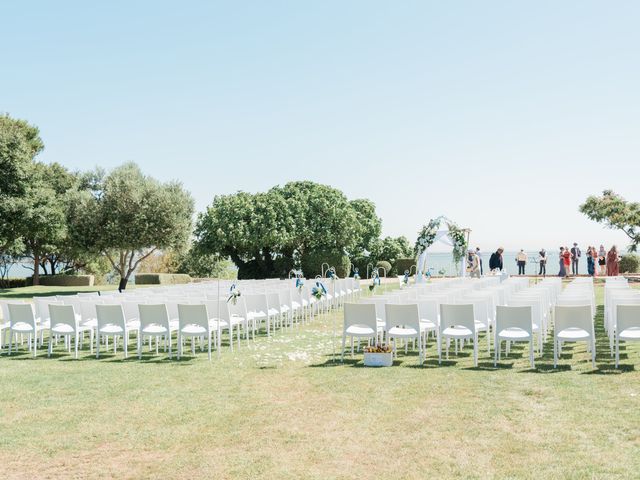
x=442 y=260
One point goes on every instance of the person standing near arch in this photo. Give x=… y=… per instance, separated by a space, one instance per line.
x=495 y=262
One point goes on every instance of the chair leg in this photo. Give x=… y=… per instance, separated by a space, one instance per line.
x=617 y=351
x=555 y=352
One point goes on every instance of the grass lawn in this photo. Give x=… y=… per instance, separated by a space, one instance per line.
x=281 y=408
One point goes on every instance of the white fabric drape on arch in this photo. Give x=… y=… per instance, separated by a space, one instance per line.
x=441 y=236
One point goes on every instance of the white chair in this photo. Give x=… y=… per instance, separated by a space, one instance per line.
x=429 y=317
x=359 y=322
x=111 y=323
x=457 y=322
x=628 y=326
x=23 y=321
x=403 y=321
x=154 y=322
x=4 y=318
x=64 y=323
x=573 y=324
x=513 y=324
x=193 y=323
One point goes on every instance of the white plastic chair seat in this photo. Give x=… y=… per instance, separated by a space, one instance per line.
x=513 y=333
x=428 y=324
x=236 y=320
x=457 y=332
x=480 y=325
x=159 y=329
x=133 y=324
x=213 y=324
x=295 y=305
x=256 y=315
x=194 y=330
x=572 y=334
x=631 y=333
x=93 y=323
x=111 y=329
x=25 y=327
x=273 y=311
x=64 y=329
x=360 y=331
x=402 y=332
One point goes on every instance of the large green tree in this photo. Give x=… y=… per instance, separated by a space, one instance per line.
x=127 y=216
x=615 y=212
x=266 y=234
x=20 y=143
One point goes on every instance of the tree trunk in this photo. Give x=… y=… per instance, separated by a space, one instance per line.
x=123 y=284
x=36 y=268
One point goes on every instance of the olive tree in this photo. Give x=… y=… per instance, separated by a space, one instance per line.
x=127 y=216
x=616 y=213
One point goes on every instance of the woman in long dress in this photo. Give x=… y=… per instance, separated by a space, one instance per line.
x=613 y=262
x=563 y=270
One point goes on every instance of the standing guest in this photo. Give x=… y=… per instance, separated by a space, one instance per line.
x=563 y=270
x=602 y=260
x=613 y=262
x=495 y=262
x=542 y=258
x=575 y=258
x=480 y=259
x=521 y=259
x=474 y=264
x=591 y=266
x=566 y=256
x=594 y=258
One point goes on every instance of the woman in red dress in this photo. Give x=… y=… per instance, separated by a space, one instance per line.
x=566 y=257
x=613 y=262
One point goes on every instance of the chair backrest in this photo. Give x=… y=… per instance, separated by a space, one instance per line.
x=88 y=309
x=88 y=294
x=238 y=309
x=361 y=314
x=218 y=309
x=155 y=314
x=578 y=316
x=196 y=315
x=402 y=316
x=628 y=317
x=63 y=315
x=4 y=308
x=514 y=317
x=457 y=315
x=130 y=309
x=21 y=313
x=42 y=306
x=110 y=315
x=273 y=300
x=256 y=303
x=428 y=310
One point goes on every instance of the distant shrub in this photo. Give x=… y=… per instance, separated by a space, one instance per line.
x=64 y=280
x=630 y=263
x=402 y=264
x=386 y=265
x=161 y=278
x=311 y=263
x=13 y=283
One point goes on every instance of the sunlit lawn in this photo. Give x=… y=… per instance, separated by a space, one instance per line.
x=281 y=408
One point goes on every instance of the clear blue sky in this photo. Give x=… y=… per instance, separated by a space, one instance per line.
x=503 y=115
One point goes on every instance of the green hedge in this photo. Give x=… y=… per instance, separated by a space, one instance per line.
x=13 y=283
x=64 y=280
x=311 y=263
x=387 y=268
x=630 y=263
x=161 y=278
x=402 y=264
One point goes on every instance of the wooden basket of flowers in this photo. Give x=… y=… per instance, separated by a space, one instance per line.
x=380 y=355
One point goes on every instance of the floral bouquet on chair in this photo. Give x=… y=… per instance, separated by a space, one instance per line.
x=234 y=293
x=299 y=284
x=319 y=291
x=356 y=273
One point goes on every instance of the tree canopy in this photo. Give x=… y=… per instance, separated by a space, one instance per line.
x=616 y=213
x=267 y=234
x=126 y=216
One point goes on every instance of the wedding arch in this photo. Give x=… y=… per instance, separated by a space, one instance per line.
x=441 y=229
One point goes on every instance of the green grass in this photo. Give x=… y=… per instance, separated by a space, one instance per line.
x=29 y=292
x=281 y=408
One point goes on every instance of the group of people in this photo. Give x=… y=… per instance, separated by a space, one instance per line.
x=569 y=261
x=609 y=262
